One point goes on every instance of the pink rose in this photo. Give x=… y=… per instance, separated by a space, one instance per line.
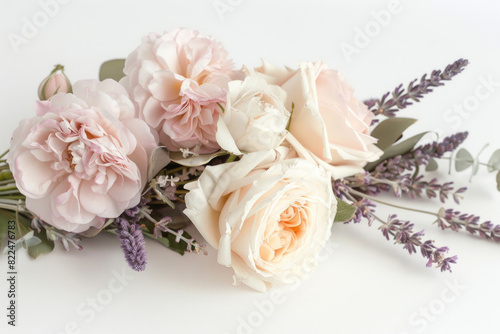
x=83 y=158
x=328 y=124
x=177 y=80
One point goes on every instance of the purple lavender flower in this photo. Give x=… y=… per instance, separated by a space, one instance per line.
x=455 y=220
x=402 y=233
x=390 y=103
x=133 y=245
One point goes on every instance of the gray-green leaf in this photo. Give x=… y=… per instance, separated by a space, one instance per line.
x=194 y=161
x=432 y=165
x=45 y=246
x=397 y=149
x=390 y=130
x=463 y=160
x=345 y=211
x=498 y=181
x=494 y=162
x=112 y=69
x=159 y=159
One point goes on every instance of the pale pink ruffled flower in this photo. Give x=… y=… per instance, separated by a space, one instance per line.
x=177 y=80
x=83 y=158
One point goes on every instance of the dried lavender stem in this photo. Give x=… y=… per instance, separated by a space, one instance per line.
x=167 y=229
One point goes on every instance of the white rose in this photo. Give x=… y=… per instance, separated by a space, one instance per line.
x=255 y=117
x=268 y=220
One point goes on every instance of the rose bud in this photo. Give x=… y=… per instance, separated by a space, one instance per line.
x=56 y=82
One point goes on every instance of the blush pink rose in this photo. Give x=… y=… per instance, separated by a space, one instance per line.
x=328 y=123
x=177 y=81
x=83 y=158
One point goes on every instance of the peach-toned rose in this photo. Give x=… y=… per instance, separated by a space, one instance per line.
x=82 y=158
x=328 y=123
x=268 y=219
x=177 y=80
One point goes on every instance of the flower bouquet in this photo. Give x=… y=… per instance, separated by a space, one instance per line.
x=263 y=161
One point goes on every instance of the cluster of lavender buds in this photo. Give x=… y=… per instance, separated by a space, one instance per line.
x=390 y=174
x=454 y=220
x=401 y=232
x=448 y=144
x=130 y=234
x=400 y=99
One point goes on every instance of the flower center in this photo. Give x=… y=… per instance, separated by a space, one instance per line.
x=281 y=236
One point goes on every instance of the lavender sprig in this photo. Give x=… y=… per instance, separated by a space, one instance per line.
x=400 y=98
x=455 y=220
x=133 y=245
x=402 y=233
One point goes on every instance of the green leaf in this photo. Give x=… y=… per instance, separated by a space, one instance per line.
x=345 y=211
x=194 y=161
x=158 y=160
x=494 y=162
x=397 y=149
x=44 y=247
x=463 y=160
x=164 y=241
x=498 y=181
x=432 y=165
x=390 y=130
x=112 y=69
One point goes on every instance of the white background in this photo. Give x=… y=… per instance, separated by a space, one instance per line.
x=366 y=284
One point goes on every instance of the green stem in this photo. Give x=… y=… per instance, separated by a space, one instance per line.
x=467 y=160
x=8 y=187
x=390 y=204
x=4 y=153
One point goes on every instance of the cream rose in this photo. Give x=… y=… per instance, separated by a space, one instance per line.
x=328 y=124
x=255 y=117
x=267 y=219
x=83 y=158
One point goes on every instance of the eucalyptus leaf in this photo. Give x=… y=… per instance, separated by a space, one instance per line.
x=345 y=211
x=498 y=181
x=390 y=130
x=475 y=165
x=112 y=69
x=194 y=161
x=463 y=160
x=45 y=246
x=432 y=165
x=397 y=149
x=494 y=162
x=159 y=159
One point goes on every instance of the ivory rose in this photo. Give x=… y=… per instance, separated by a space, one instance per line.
x=268 y=219
x=328 y=123
x=178 y=81
x=83 y=157
x=255 y=117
